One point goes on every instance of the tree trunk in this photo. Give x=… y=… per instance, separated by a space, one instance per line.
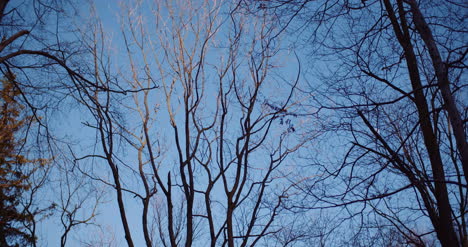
x=444 y=227
x=441 y=72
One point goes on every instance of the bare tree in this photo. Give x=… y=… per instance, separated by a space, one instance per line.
x=198 y=141
x=392 y=85
x=36 y=48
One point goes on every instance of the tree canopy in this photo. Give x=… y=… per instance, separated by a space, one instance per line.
x=243 y=123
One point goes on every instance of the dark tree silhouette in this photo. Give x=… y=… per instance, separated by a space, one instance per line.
x=395 y=77
x=12 y=178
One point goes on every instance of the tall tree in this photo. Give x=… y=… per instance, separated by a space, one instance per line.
x=392 y=84
x=34 y=46
x=206 y=150
x=12 y=178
